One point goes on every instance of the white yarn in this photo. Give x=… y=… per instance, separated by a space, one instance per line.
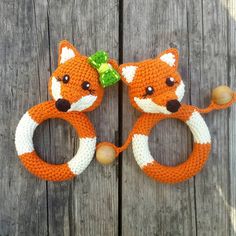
x=141 y=150
x=197 y=126
x=168 y=58
x=83 y=103
x=147 y=105
x=180 y=91
x=84 y=155
x=24 y=144
x=56 y=89
x=24 y=134
x=129 y=72
x=66 y=54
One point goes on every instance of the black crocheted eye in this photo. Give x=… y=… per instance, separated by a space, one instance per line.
x=65 y=79
x=85 y=85
x=170 y=81
x=149 y=90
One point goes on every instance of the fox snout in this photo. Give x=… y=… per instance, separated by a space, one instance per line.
x=62 y=105
x=173 y=105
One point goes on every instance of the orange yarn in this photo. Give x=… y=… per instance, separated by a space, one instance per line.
x=43 y=170
x=75 y=88
x=33 y=162
x=156 y=89
x=152 y=72
x=78 y=120
x=79 y=71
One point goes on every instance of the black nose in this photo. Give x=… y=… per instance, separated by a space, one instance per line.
x=173 y=105
x=62 y=105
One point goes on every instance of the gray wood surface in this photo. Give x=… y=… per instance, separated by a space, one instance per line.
x=117 y=199
x=156 y=209
x=213 y=70
x=90 y=202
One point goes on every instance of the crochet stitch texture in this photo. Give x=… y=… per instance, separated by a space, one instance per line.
x=156 y=89
x=75 y=88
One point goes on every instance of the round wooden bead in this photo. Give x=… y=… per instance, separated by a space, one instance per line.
x=105 y=154
x=222 y=95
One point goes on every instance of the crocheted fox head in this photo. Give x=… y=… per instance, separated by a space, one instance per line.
x=155 y=86
x=75 y=85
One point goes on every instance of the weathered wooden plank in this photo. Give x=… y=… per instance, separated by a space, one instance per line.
x=23 y=69
x=230 y=203
x=89 y=204
x=148 y=207
x=209 y=68
x=62 y=134
x=204 y=31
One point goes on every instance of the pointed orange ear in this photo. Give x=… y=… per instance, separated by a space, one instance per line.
x=127 y=72
x=170 y=57
x=66 y=52
x=113 y=63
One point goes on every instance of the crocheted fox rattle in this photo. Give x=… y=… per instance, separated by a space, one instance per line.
x=76 y=86
x=156 y=89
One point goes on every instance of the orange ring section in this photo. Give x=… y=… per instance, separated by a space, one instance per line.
x=196 y=160
x=44 y=170
x=182 y=172
x=33 y=162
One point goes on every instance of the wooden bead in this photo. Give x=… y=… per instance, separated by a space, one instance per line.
x=105 y=154
x=222 y=95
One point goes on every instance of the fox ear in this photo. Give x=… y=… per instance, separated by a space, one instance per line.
x=66 y=52
x=127 y=73
x=113 y=63
x=170 y=57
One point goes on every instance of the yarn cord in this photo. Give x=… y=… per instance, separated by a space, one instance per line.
x=213 y=106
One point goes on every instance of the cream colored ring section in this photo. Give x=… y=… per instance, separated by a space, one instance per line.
x=84 y=155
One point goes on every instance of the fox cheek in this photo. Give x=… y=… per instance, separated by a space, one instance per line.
x=180 y=90
x=55 y=89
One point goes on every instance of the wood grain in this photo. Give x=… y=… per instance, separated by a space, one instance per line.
x=151 y=208
x=23 y=67
x=117 y=199
x=230 y=202
x=209 y=58
x=89 y=204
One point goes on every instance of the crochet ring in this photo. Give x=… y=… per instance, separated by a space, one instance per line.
x=25 y=149
x=185 y=170
x=190 y=115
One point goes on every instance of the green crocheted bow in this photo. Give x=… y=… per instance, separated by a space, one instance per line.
x=107 y=74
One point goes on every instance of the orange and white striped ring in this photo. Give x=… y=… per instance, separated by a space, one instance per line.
x=25 y=148
x=185 y=170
